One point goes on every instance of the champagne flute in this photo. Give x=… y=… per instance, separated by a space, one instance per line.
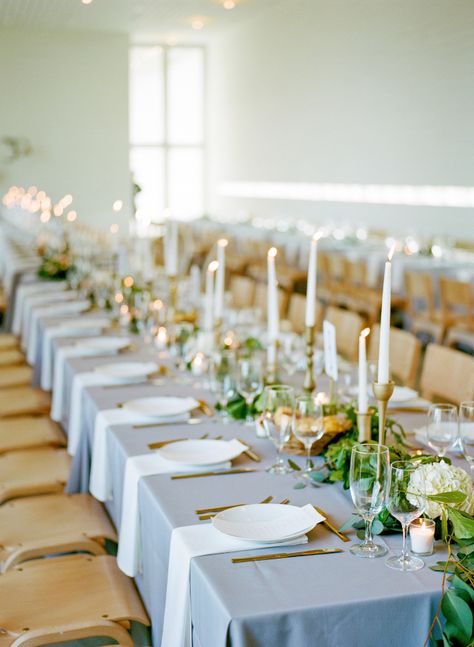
x=223 y=384
x=405 y=506
x=442 y=430
x=278 y=406
x=308 y=423
x=369 y=483
x=466 y=430
x=249 y=381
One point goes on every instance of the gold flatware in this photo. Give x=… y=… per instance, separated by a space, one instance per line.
x=219 y=508
x=329 y=525
x=205 y=408
x=241 y=470
x=212 y=512
x=150 y=425
x=162 y=443
x=303 y=553
x=249 y=452
x=407 y=410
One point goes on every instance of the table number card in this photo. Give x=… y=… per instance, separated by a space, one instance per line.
x=330 y=352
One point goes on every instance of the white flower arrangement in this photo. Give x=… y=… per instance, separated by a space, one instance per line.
x=435 y=478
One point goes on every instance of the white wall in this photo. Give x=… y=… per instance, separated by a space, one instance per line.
x=347 y=91
x=67 y=92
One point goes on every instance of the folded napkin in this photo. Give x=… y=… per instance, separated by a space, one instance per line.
x=100 y=482
x=193 y=541
x=68 y=307
x=415 y=403
x=136 y=467
x=62 y=354
x=88 y=328
x=27 y=290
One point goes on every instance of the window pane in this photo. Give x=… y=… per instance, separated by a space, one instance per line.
x=185 y=95
x=146 y=95
x=147 y=165
x=186 y=181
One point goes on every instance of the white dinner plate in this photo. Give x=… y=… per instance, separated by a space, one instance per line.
x=104 y=343
x=267 y=522
x=127 y=371
x=403 y=394
x=202 y=452
x=161 y=407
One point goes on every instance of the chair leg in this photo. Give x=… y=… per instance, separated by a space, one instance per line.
x=105 y=628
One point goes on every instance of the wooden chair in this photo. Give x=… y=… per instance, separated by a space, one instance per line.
x=11 y=357
x=33 y=471
x=457 y=303
x=420 y=305
x=8 y=341
x=348 y=326
x=405 y=351
x=447 y=374
x=68 y=598
x=27 y=432
x=459 y=337
x=23 y=400
x=297 y=312
x=48 y=525
x=15 y=376
x=260 y=299
x=242 y=290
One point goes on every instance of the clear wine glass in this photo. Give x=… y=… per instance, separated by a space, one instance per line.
x=292 y=352
x=278 y=406
x=223 y=379
x=249 y=381
x=308 y=423
x=369 y=483
x=406 y=506
x=442 y=430
x=466 y=430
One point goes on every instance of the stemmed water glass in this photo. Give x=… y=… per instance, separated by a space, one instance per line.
x=406 y=506
x=278 y=406
x=308 y=423
x=249 y=381
x=223 y=383
x=466 y=430
x=442 y=431
x=369 y=483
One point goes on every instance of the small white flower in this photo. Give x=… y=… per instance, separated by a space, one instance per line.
x=434 y=478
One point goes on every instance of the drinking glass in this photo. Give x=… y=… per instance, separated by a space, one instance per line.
x=369 y=483
x=308 y=423
x=292 y=352
x=406 y=506
x=278 y=406
x=442 y=431
x=466 y=430
x=249 y=381
x=223 y=384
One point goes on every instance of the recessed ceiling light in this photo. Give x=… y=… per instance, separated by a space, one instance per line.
x=229 y=4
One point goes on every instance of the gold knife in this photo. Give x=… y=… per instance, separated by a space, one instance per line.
x=241 y=470
x=249 y=452
x=303 y=553
x=205 y=408
x=329 y=525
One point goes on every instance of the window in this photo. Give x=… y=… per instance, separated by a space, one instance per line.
x=167 y=142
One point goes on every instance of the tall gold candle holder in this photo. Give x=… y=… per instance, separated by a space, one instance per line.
x=382 y=393
x=172 y=296
x=218 y=332
x=364 y=426
x=309 y=383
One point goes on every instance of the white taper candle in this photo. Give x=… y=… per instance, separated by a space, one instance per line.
x=362 y=402
x=383 y=376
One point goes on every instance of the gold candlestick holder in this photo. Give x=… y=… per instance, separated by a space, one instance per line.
x=172 y=296
x=382 y=393
x=218 y=332
x=364 y=426
x=309 y=382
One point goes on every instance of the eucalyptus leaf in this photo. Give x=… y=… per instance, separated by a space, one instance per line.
x=299 y=486
x=460 y=585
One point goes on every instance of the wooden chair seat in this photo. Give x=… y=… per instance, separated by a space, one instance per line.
x=33 y=471
x=8 y=341
x=23 y=400
x=44 y=525
x=11 y=357
x=15 y=376
x=27 y=432
x=447 y=375
x=68 y=598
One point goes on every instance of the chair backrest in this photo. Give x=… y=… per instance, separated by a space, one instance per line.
x=242 y=290
x=456 y=298
x=447 y=374
x=348 y=326
x=419 y=289
x=260 y=299
x=405 y=351
x=336 y=267
x=355 y=272
x=297 y=311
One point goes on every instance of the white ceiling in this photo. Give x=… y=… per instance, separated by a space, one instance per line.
x=140 y=18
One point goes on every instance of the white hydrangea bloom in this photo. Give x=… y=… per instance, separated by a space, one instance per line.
x=434 y=478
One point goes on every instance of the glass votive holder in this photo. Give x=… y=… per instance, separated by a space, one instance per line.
x=422 y=536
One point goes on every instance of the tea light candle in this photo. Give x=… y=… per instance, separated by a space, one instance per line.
x=198 y=364
x=422 y=536
x=161 y=340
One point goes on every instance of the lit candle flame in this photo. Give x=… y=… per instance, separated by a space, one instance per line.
x=365 y=332
x=272 y=251
x=391 y=252
x=223 y=242
x=212 y=267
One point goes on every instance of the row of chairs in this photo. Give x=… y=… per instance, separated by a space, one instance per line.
x=79 y=593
